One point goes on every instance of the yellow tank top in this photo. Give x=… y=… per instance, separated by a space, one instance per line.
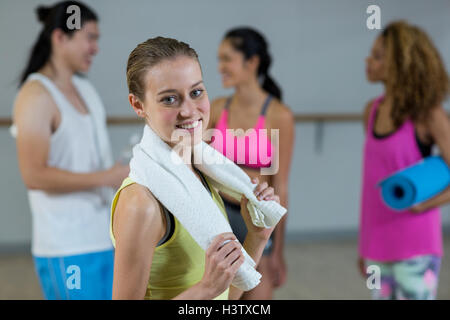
x=178 y=263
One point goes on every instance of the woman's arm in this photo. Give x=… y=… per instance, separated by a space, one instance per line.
x=366 y=116
x=257 y=237
x=254 y=247
x=138 y=226
x=438 y=127
x=34 y=112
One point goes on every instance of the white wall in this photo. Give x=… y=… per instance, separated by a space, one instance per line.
x=318 y=48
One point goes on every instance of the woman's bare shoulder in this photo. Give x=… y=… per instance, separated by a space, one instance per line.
x=217 y=106
x=138 y=208
x=279 y=113
x=138 y=199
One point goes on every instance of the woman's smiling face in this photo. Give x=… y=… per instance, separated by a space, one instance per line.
x=376 y=62
x=176 y=102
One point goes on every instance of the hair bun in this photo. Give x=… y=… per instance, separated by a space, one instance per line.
x=43 y=13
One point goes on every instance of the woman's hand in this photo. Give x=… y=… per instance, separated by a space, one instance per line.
x=262 y=192
x=222 y=263
x=418 y=208
x=362 y=267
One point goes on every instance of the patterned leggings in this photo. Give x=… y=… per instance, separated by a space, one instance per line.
x=411 y=279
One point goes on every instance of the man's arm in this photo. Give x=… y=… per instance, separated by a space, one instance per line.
x=34 y=112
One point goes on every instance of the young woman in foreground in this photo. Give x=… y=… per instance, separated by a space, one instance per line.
x=155 y=257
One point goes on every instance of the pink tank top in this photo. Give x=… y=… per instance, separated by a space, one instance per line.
x=253 y=150
x=384 y=234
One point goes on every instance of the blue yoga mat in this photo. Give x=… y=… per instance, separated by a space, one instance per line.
x=416 y=183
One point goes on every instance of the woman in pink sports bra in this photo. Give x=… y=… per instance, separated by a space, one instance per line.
x=256 y=104
x=401 y=127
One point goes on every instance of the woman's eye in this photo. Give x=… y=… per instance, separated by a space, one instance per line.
x=169 y=100
x=196 y=93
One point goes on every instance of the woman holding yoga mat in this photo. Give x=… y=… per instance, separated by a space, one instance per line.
x=156 y=257
x=255 y=108
x=401 y=127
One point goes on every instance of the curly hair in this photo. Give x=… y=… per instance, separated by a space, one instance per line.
x=416 y=75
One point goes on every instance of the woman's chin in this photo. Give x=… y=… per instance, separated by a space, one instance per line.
x=370 y=78
x=227 y=84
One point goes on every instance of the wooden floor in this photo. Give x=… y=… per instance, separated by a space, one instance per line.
x=320 y=270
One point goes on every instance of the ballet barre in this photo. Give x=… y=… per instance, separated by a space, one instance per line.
x=299 y=118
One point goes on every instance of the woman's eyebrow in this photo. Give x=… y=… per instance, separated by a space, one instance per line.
x=174 y=91
x=167 y=91
x=196 y=84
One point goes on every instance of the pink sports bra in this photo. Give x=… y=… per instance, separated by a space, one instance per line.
x=253 y=149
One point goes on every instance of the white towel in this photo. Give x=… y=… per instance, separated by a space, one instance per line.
x=159 y=168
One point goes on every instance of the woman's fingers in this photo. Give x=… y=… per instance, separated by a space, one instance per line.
x=226 y=249
x=232 y=256
x=266 y=193
x=218 y=241
x=237 y=263
x=273 y=197
x=260 y=187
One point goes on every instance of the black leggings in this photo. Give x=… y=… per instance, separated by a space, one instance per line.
x=238 y=225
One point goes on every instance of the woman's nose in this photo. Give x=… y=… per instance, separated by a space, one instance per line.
x=188 y=108
x=220 y=67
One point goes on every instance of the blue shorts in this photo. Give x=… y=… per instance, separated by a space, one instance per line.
x=78 y=277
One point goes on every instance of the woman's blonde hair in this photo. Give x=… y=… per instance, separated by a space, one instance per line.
x=416 y=75
x=148 y=54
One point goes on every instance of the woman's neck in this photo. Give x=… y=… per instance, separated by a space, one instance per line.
x=387 y=98
x=249 y=93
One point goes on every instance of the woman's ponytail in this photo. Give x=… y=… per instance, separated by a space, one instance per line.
x=271 y=87
x=252 y=43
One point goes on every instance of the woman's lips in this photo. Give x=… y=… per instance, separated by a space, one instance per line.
x=190 y=126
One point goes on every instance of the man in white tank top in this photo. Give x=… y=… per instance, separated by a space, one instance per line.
x=65 y=159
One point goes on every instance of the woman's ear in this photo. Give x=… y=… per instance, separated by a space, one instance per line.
x=137 y=105
x=253 y=63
